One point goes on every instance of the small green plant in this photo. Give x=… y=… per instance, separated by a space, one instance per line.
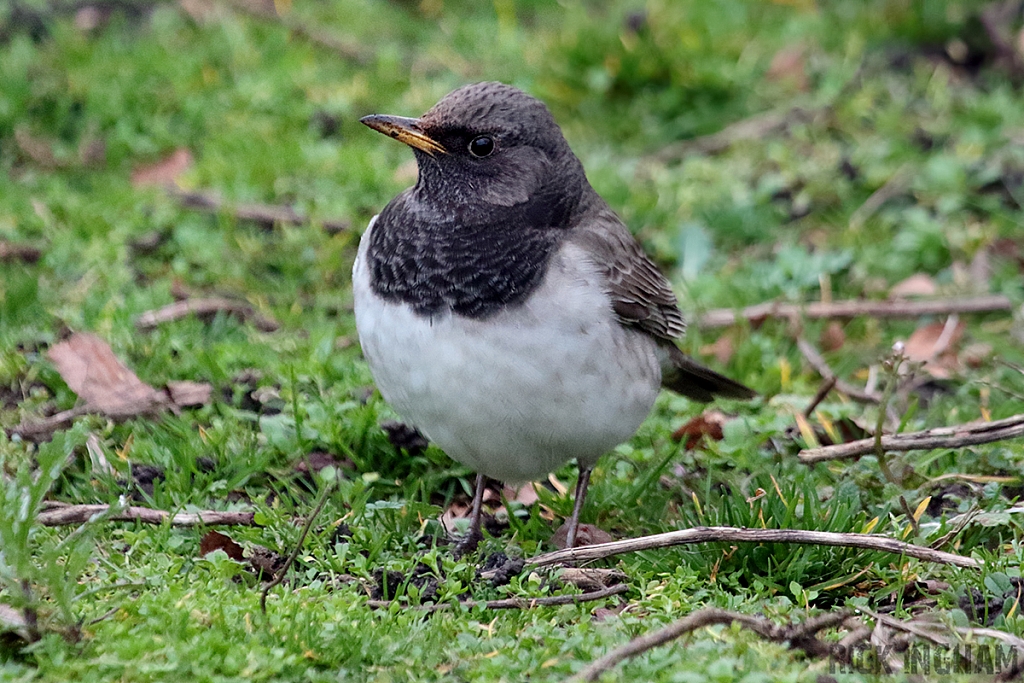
x=38 y=569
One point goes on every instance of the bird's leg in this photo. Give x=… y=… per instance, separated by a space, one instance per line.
x=582 y=482
x=471 y=540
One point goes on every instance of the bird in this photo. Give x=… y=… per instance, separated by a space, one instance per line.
x=503 y=307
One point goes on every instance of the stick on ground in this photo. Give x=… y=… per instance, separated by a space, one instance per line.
x=957 y=436
x=725 y=534
x=64 y=515
x=266 y=214
x=723 y=317
x=205 y=308
x=516 y=603
x=799 y=636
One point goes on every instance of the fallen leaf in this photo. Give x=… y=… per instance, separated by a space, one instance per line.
x=317 y=460
x=163 y=172
x=525 y=494
x=92 y=371
x=935 y=345
x=185 y=394
x=586 y=534
x=787 y=67
x=722 y=349
x=918 y=284
x=592 y=578
x=708 y=424
x=977 y=354
x=18 y=252
x=832 y=337
x=13 y=621
x=38 y=149
x=214 y=540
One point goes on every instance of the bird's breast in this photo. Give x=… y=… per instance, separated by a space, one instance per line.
x=520 y=392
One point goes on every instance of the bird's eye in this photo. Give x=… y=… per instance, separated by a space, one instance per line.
x=481 y=146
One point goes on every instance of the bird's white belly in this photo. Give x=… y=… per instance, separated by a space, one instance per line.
x=520 y=393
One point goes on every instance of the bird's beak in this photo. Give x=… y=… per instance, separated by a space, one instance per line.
x=404 y=130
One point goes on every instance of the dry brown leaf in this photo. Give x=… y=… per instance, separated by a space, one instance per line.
x=38 y=149
x=927 y=341
x=722 y=349
x=918 y=284
x=525 y=494
x=592 y=578
x=935 y=345
x=586 y=534
x=977 y=354
x=317 y=460
x=832 y=337
x=787 y=67
x=214 y=540
x=185 y=394
x=709 y=424
x=18 y=252
x=92 y=371
x=163 y=172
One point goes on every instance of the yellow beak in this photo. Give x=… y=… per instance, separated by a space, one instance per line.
x=404 y=130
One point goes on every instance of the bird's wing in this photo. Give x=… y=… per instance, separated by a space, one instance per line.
x=641 y=296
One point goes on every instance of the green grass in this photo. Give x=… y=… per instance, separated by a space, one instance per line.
x=270 y=116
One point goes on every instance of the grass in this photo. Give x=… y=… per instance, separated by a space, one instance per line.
x=271 y=116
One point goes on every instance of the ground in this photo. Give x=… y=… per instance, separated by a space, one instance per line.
x=761 y=152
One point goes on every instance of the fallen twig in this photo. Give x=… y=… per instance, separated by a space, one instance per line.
x=957 y=436
x=348 y=49
x=896 y=185
x=204 y=308
x=723 y=317
x=266 y=214
x=64 y=515
x=753 y=128
x=324 y=494
x=827 y=385
x=1017 y=667
x=18 y=252
x=821 y=366
x=514 y=603
x=42 y=429
x=798 y=636
x=726 y=534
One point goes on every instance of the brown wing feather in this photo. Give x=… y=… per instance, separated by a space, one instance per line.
x=641 y=296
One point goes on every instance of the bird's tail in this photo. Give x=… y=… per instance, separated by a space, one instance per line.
x=685 y=376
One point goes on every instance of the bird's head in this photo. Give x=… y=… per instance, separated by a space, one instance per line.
x=487 y=146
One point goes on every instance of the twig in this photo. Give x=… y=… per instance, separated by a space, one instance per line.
x=818 y=362
x=892 y=367
x=957 y=436
x=204 y=308
x=346 y=48
x=725 y=534
x=1017 y=667
x=514 y=603
x=905 y=626
x=752 y=128
x=41 y=429
x=799 y=636
x=723 y=317
x=893 y=187
x=79 y=514
x=328 y=487
x=18 y=252
x=826 y=386
x=266 y=214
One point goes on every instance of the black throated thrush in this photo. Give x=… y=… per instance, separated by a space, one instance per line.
x=502 y=306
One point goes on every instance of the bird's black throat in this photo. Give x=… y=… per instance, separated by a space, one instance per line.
x=457 y=261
